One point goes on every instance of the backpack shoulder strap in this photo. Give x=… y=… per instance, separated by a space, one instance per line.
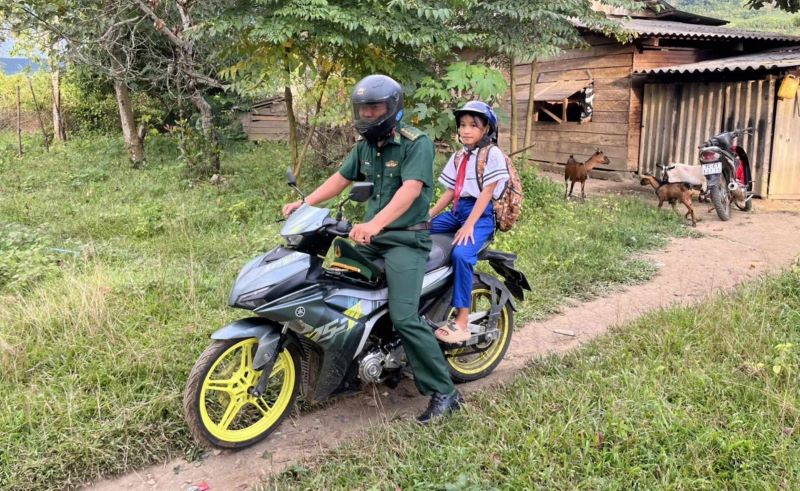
x=483 y=156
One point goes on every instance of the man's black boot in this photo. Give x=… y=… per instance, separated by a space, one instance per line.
x=441 y=405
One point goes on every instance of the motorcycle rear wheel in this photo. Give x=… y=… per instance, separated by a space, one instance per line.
x=218 y=406
x=721 y=199
x=474 y=366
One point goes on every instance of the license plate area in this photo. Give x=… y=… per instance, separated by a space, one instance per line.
x=714 y=168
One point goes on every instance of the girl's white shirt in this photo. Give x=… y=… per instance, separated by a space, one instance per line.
x=495 y=171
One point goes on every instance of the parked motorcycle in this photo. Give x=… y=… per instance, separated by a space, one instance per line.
x=727 y=168
x=324 y=331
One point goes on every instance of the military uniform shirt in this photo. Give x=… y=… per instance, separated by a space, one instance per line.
x=407 y=155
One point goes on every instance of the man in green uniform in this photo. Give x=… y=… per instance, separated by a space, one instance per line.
x=398 y=159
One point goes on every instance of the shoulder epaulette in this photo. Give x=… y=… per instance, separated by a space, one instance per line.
x=410 y=132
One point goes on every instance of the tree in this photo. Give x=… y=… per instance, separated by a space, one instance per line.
x=102 y=35
x=146 y=45
x=191 y=78
x=408 y=39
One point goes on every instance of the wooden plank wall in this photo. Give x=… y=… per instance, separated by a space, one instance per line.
x=668 y=56
x=262 y=127
x=610 y=66
x=784 y=179
x=678 y=117
x=651 y=57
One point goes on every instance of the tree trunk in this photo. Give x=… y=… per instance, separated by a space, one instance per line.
x=209 y=131
x=513 y=82
x=59 y=130
x=287 y=94
x=324 y=82
x=132 y=141
x=529 y=113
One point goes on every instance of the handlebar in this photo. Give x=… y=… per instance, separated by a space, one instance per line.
x=340 y=229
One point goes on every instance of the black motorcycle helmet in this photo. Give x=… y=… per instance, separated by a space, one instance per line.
x=372 y=91
x=486 y=113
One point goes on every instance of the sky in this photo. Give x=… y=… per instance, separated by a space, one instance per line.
x=5 y=47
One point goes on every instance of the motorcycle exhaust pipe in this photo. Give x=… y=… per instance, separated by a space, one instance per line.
x=733 y=186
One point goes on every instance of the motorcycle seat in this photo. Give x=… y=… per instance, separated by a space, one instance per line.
x=349 y=259
x=440 y=255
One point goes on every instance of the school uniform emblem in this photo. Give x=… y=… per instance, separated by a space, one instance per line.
x=391 y=164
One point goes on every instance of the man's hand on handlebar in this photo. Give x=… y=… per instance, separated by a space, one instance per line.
x=289 y=208
x=363 y=233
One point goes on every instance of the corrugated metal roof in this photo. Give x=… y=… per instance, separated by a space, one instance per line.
x=765 y=60
x=558 y=91
x=683 y=30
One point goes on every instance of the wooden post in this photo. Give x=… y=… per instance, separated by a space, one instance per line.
x=531 y=102
x=19 y=126
x=39 y=115
x=513 y=82
x=59 y=129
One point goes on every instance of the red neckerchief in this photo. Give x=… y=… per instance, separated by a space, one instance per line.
x=460 y=175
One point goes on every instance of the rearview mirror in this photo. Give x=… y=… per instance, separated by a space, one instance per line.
x=361 y=191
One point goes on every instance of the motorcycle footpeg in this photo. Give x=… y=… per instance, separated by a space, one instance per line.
x=394 y=379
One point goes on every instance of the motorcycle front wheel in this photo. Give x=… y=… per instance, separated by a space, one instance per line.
x=466 y=365
x=721 y=199
x=218 y=405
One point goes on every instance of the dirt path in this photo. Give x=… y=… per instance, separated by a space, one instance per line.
x=728 y=253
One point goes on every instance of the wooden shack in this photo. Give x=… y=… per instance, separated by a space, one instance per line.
x=267 y=120
x=619 y=75
x=685 y=104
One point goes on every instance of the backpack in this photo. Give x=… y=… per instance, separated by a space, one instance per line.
x=508 y=206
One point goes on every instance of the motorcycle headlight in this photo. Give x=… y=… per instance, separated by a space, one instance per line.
x=294 y=240
x=253 y=299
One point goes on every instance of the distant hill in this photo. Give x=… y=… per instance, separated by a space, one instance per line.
x=10 y=66
x=741 y=17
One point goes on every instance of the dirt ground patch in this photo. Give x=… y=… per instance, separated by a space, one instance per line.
x=690 y=269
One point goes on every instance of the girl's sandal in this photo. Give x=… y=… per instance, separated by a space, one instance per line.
x=451 y=334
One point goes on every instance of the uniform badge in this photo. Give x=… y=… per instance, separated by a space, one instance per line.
x=390 y=164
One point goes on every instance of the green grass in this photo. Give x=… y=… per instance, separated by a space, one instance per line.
x=688 y=398
x=112 y=279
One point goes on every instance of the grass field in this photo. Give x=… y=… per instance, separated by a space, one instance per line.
x=689 y=398
x=112 y=279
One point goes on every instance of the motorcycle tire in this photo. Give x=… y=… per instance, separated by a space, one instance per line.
x=217 y=404
x=721 y=199
x=474 y=366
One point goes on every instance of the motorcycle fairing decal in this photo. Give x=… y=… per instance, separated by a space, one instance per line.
x=295 y=294
x=433 y=279
x=363 y=294
x=325 y=332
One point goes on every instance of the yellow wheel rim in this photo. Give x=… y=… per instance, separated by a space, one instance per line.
x=228 y=411
x=475 y=363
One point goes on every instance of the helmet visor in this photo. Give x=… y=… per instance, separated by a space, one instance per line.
x=370 y=114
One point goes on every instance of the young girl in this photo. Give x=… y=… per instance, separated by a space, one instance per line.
x=472 y=215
